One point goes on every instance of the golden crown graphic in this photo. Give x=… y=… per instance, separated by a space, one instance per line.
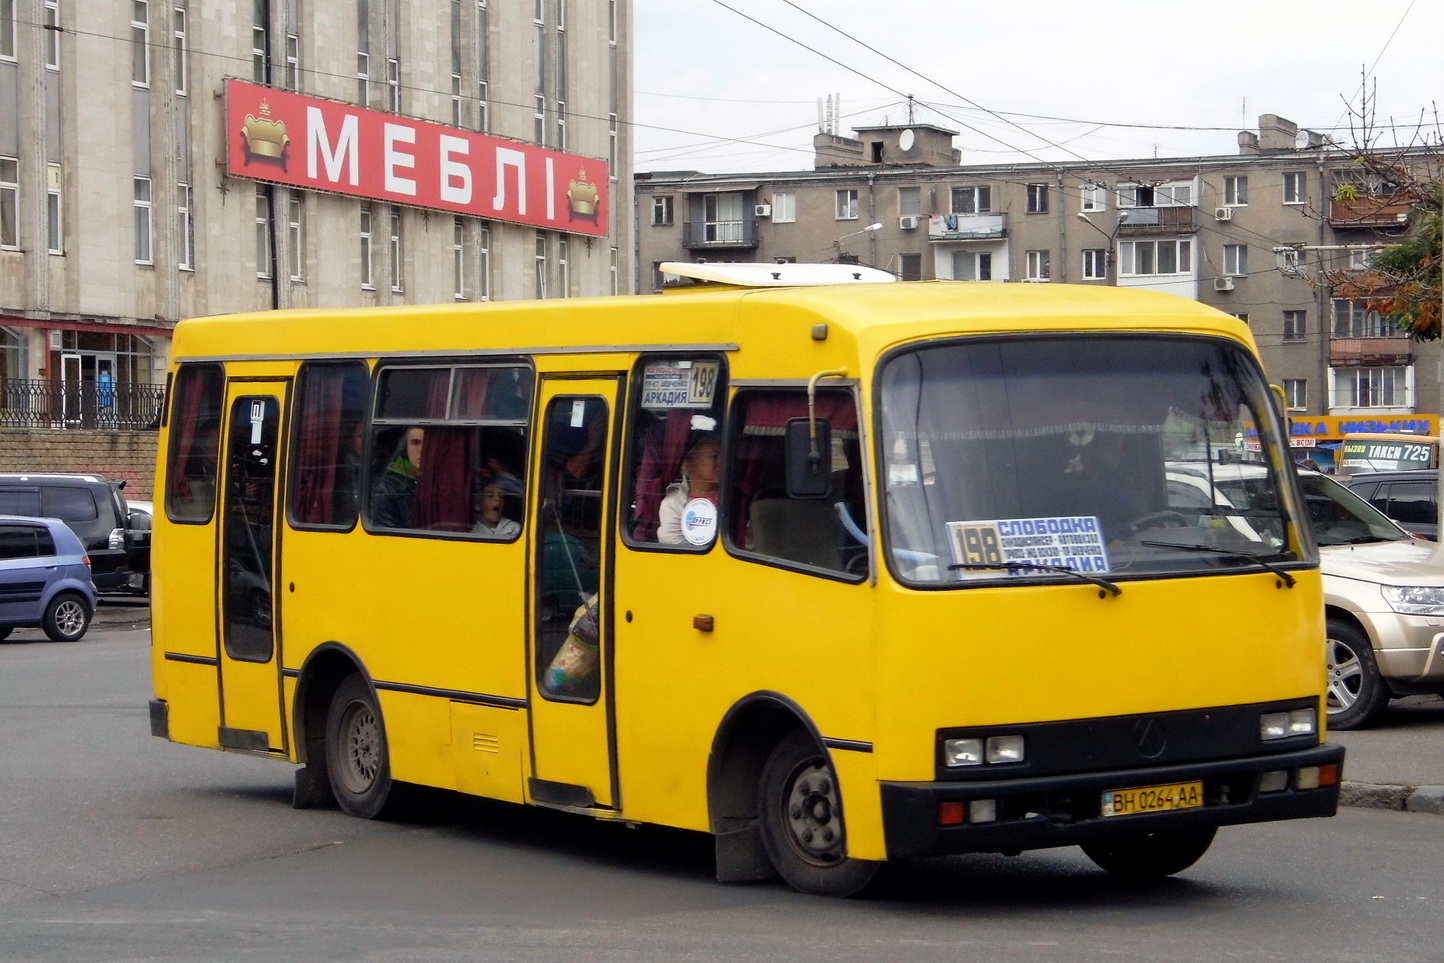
x=582 y=197
x=265 y=138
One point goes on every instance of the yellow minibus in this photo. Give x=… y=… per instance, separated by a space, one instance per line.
x=838 y=570
x=1362 y=451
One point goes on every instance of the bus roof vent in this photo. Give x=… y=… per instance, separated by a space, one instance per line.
x=772 y=275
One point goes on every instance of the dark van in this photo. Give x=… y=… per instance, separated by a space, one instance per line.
x=1410 y=498
x=90 y=505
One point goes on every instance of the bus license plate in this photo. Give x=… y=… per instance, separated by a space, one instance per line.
x=1152 y=799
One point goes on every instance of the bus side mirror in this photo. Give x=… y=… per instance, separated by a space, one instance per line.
x=809 y=458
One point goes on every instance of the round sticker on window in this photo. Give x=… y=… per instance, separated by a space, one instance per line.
x=699 y=521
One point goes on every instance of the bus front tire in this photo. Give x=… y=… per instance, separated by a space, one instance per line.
x=800 y=818
x=356 y=755
x=1151 y=855
x=1357 y=693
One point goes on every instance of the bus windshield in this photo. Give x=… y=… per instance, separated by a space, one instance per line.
x=1053 y=456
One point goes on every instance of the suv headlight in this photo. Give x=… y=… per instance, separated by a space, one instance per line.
x=1414 y=599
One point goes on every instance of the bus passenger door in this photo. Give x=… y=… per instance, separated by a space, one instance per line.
x=250 y=666
x=570 y=647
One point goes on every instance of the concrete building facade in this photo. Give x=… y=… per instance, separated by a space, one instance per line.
x=123 y=210
x=1248 y=233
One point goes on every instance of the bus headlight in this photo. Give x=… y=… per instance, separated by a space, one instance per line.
x=975 y=751
x=1414 y=599
x=962 y=752
x=1286 y=725
x=1005 y=749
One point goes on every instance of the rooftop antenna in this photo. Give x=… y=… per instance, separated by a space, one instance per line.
x=910 y=110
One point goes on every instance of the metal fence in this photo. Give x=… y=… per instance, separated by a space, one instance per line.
x=88 y=405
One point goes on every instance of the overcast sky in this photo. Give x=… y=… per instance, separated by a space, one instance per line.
x=1022 y=79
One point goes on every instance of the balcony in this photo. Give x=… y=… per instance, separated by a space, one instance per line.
x=1369 y=211
x=1371 y=351
x=719 y=235
x=967 y=227
x=1142 y=221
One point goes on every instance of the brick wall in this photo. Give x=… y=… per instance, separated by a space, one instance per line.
x=114 y=454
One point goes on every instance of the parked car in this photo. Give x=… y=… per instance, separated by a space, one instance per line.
x=44 y=578
x=91 y=505
x=1410 y=498
x=137 y=549
x=1383 y=588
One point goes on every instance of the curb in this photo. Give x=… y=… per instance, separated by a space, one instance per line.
x=1414 y=799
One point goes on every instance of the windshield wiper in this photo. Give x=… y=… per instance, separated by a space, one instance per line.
x=1102 y=583
x=1288 y=579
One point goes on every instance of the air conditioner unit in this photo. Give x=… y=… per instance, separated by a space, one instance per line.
x=908 y=222
x=1223 y=213
x=762 y=210
x=1223 y=284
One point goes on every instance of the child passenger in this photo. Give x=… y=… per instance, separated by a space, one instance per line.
x=487 y=499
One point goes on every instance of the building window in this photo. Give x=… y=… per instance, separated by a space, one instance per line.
x=1037 y=269
x=9 y=202
x=1360 y=258
x=1292 y=260
x=1380 y=387
x=847 y=204
x=784 y=207
x=293 y=62
x=458 y=258
x=1152 y=258
x=456 y=98
x=1095 y=198
x=1095 y=264
x=539 y=257
x=54 y=224
x=7 y=29
x=972 y=266
x=263 y=232
x=363 y=52
x=51 y=34
x=1294 y=325
x=1296 y=393
x=564 y=268
x=260 y=42
x=142 y=221
x=366 y=278
x=1353 y=320
x=393 y=84
x=483 y=257
x=139 y=44
x=397 y=278
x=910 y=267
x=616 y=272
x=296 y=235
x=662 y=210
x=180 y=53
x=1037 y=198
x=1235 y=260
x=977 y=199
x=1235 y=191
x=1295 y=187
x=185 y=228
x=909 y=201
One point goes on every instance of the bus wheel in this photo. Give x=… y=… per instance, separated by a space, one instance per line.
x=800 y=818
x=356 y=757
x=1151 y=855
x=1356 y=692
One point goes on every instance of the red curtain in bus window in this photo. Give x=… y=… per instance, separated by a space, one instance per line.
x=443 y=486
x=189 y=404
x=758 y=461
x=319 y=445
x=663 y=448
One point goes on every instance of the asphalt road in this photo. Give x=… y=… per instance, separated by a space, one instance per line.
x=118 y=846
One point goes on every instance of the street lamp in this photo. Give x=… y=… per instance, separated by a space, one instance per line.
x=1111 y=235
x=837 y=244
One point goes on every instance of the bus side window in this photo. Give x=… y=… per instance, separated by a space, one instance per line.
x=675 y=452
x=327 y=479
x=195 y=431
x=823 y=533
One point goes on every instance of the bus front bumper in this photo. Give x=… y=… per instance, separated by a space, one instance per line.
x=1067 y=810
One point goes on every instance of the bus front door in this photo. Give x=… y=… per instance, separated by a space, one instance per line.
x=250 y=668
x=571 y=699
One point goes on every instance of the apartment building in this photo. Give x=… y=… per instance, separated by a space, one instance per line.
x=1247 y=232
x=161 y=159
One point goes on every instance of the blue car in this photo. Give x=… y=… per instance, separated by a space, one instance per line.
x=44 y=578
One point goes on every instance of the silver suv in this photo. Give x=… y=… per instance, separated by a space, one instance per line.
x=1383 y=588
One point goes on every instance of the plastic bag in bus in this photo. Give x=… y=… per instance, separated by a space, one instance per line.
x=576 y=661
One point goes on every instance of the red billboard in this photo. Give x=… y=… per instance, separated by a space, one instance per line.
x=275 y=135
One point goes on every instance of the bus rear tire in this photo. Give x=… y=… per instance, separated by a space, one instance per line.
x=800 y=818
x=357 y=760
x=1151 y=855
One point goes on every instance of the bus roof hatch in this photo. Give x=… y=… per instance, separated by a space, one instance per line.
x=768 y=275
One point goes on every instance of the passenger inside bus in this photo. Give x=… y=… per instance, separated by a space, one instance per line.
x=700 y=468
x=487 y=501
x=393 y=499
